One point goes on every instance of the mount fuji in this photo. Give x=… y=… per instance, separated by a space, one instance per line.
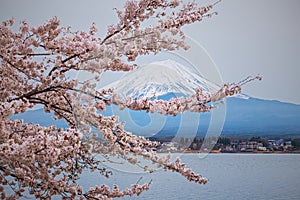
x=167 y=79
x=244 y=115
x=160 y=79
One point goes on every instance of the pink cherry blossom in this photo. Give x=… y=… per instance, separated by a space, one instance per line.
x=34 y=70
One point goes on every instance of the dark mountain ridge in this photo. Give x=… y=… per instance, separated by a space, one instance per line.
x=244 y=116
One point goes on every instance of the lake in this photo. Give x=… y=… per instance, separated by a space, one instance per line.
x=231 y=176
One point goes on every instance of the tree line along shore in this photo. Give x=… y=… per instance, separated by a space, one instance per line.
x=254 y=144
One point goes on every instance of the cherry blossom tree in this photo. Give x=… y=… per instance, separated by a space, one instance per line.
x=35 y=68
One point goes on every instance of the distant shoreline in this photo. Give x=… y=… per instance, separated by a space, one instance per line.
x=238 y=152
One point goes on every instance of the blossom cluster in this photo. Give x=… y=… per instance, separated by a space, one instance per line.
x=39 y=158
x=197 y=102
x=35 y=68
x=104 y=192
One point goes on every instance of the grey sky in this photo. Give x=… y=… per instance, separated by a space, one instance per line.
x=246 y=38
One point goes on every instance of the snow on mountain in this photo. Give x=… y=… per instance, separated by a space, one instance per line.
x=161 y=78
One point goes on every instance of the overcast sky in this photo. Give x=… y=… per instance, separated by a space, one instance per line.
x=247 y=37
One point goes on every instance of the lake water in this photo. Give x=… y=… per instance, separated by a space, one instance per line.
x=231 y=176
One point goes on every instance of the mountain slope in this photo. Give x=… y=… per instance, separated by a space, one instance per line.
x=261 y=116
x=243 y=117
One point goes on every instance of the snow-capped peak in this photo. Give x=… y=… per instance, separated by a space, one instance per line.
x=160 y=78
